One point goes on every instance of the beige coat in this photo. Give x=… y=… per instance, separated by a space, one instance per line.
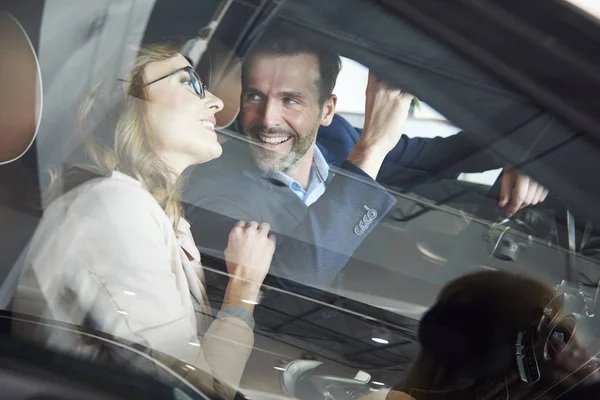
x=105 y=255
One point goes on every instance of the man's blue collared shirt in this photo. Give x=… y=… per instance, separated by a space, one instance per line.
x=316 y=183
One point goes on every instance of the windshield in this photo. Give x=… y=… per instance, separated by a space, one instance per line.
x=301 y=199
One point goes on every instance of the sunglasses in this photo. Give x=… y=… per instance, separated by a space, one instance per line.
x=194 y=79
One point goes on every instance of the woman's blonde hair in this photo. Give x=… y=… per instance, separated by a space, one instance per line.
x=131 y=149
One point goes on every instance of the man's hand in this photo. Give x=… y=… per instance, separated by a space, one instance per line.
x=386 y=111
x=519 y=191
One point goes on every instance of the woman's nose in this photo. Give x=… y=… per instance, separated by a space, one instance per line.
x=213 y=102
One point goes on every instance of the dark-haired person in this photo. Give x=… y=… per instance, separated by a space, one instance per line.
x=496 y=335
x=286 y=179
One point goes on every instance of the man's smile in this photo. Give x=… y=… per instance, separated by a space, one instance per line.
x=273 y=139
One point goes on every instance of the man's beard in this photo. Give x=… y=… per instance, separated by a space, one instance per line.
x=270 y=161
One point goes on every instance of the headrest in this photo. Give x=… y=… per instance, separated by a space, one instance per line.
x=221 y=70
x=21 y=93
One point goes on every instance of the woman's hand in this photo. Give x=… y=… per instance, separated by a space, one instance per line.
x=248 y=257
x=250 y=250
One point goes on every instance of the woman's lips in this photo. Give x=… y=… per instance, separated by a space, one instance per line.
x=208 y=124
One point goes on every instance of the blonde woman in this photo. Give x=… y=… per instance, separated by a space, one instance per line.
x=115 y=253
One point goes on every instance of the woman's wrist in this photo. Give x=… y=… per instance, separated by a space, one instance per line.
x=241 y=293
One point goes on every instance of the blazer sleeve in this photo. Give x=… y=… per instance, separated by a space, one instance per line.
x=442 y=157
x=118 y=268
x=315 y=251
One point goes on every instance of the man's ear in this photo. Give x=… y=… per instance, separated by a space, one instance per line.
x=328 y=110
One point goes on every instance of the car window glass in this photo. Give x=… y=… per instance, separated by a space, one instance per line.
x=359 y=261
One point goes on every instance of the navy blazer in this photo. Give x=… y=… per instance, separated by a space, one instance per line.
x=313 y=243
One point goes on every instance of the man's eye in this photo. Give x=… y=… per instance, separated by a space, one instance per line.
x=290 y=101
x=252 y=97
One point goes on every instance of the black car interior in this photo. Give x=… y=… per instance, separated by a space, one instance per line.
x=530 y=98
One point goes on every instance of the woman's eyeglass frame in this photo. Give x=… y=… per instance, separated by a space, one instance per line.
x=199 y=87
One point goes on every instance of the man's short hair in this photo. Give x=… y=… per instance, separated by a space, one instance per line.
x=285 y=44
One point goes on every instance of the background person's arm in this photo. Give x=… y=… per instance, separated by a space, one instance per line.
x=417 y=160
x=444 y=157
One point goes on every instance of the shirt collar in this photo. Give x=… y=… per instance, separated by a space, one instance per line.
x=321 y=164
x=186 y=240
x=319 y=170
